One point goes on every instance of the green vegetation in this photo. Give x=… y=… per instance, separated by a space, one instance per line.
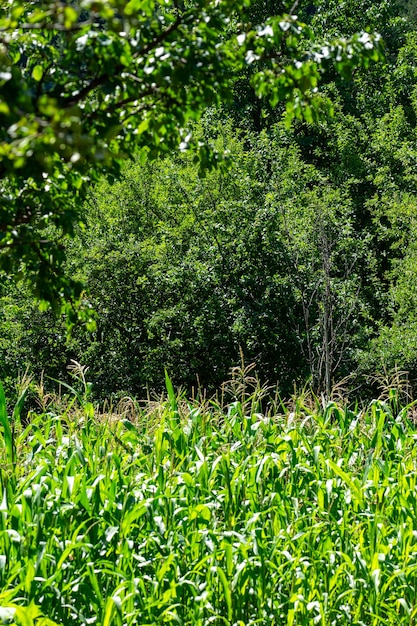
x=83 y=85
x=194 y=513
x=296 y=249
x=203 y=183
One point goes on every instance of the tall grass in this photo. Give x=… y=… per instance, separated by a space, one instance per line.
x=193 y=513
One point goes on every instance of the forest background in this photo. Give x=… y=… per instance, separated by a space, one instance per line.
x=298 y=252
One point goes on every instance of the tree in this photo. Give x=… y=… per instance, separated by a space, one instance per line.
x=86 y=84
x=185 y=273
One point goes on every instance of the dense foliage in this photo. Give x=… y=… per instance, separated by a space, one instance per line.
x=195 y=514
x=85 y=84
x=297 y=250
x=296 y=254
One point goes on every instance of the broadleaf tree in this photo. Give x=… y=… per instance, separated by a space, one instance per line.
x=86 y=84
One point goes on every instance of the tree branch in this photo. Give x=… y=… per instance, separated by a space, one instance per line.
x=103 y=78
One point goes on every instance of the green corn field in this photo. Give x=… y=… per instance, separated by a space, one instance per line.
x=194 y=513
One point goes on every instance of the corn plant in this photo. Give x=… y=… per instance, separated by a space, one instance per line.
x=219 y=515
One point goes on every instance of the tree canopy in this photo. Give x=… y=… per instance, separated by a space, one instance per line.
x=83 y=85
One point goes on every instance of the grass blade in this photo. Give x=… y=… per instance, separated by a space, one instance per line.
x=7 y=430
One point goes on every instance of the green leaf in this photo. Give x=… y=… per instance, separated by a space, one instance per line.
x=37 y=72
x=5 y=424
x=70 y=16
